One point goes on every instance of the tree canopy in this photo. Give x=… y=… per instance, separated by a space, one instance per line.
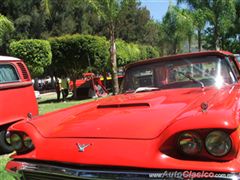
x=36 y=53
x=127 y=25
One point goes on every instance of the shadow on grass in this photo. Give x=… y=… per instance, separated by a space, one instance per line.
x=49 y=101
x=69 y=99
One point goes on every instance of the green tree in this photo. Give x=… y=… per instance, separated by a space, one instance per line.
x=74 y=54
x=220 y=14
x=108 y=11
x=176 y=27
x=134 y=22
x=36 y=54
x=131 y=52
x=27 y=16
x=188 y=26
x=199 y=12
x=200 y=19
x=70 y=17
x=150 y=35
x=6 y=27
x=221 y=17
x=233 y=42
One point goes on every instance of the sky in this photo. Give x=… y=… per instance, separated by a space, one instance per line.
x=157 y=8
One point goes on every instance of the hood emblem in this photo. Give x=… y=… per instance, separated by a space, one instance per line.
x=81 y=147
x=204 y=106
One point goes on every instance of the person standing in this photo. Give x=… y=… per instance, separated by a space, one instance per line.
x=64 y=88
x=58 y=88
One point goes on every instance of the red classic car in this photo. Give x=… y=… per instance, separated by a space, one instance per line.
x=89 y=87
x=177 y=117
x=16 y=96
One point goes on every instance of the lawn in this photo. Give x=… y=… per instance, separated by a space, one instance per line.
x=3 y=174
x=47 y=103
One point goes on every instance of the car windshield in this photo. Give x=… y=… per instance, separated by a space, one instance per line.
x=179 y=73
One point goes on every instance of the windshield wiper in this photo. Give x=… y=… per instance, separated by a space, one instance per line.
x=192 y=79
x=144 y=89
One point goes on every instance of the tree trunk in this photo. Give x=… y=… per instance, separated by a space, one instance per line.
x=52 y=80
x=217 y=46
x=74 y=89
x=189 y=43
x=175 y=47
x=36 y=84
x=222 y=42
x=199 y=40
x=216 y=38
x=113 y=60
x=105 y=77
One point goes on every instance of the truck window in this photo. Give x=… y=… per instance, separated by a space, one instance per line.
x=8 y=74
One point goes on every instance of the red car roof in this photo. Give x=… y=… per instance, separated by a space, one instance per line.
x=194 y=54
x=8 y=58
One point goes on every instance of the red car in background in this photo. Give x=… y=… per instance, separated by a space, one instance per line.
x=177 y=117
x=89 y=86
x=17 y=97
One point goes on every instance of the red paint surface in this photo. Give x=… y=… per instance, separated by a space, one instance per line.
x=17 y=99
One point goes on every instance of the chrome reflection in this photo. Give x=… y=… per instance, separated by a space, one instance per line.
x=25 y=170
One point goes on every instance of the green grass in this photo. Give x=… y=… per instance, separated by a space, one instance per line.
x=47 y=103
x=3 y=174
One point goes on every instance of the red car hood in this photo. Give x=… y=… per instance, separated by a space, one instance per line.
x=139 y=115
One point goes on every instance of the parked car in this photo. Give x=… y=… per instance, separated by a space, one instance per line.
x=16 y=96
x=176 y=117
x=109 y=82
x=89 y=86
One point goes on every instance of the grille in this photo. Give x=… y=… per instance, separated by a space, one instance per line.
x=42 y=176
x=24 y=71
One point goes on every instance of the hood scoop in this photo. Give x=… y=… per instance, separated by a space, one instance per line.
x=123 y=105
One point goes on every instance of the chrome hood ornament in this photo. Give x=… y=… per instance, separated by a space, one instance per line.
x=81 y=147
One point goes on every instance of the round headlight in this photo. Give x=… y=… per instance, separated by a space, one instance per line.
x=190 y=143
x=27 y=141
x=16 y=141
x=218 y=143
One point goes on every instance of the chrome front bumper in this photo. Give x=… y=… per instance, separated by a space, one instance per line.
x=36 y=170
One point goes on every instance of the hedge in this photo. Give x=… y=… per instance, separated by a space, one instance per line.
x=36 y=54
x=74 y=53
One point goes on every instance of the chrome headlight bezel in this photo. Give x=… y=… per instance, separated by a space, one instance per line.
x=219 y=135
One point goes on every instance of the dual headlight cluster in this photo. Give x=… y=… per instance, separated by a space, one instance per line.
x=217 y=143
x=21 y=142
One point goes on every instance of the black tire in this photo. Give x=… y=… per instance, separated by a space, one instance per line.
x=5 y=148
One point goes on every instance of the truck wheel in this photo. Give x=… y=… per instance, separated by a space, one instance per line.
x=5 y=147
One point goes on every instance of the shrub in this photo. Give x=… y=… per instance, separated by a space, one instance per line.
x=36 y=54
x=72 y=54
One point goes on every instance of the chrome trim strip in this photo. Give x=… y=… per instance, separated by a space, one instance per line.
x=15 y=85
x=20 y=169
